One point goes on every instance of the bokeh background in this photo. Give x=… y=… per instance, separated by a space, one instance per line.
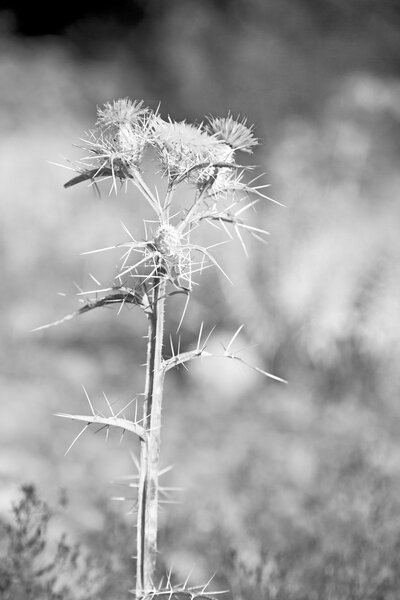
x=292 y=491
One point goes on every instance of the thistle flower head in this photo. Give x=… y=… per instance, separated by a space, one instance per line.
x=234 y=133
x=117 y=143
x=121 y=112
x=184 y=150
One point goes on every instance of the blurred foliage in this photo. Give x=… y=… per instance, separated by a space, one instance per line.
x=37 y=563
x=30 y=570
x=292 y=491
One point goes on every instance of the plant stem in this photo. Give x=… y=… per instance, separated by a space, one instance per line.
x=150 y=448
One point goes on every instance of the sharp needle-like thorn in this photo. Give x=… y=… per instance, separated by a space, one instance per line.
x=99 y=250
x=226 y=229
x=124 y=227
x=169 y=575
x=233 y=338
x=241 y=240
x=97 y=282
x=208 y=337
x=88 y=399
x=179 y=345
x=87 y=293
x=125 y=407
x=187 y=578
x=246 y=207
x=109 y=405
x=78 y=287
x=165 y=470
x=208 y=583
x=183 y=313
x=76 y=439
x=200 y=334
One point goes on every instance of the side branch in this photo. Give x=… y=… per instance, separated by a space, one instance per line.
x=122 y=297
x=118 y=422
x=201 y=352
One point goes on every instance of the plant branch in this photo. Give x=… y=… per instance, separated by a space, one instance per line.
x=201 y=352
x=124 y=297
x=118 y=422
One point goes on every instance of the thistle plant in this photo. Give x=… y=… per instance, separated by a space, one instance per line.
x=204 y=158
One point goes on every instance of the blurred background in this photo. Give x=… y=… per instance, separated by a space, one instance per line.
x=292 y=491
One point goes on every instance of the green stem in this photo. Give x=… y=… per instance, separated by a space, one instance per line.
x=150 y=448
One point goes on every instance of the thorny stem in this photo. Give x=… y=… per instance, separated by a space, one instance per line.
x=192 y=152
x=150 y=448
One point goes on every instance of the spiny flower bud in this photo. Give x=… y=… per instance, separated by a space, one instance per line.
x=167 y=240
x=175 y=259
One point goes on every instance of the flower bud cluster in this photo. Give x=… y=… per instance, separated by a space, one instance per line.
x=199 y=154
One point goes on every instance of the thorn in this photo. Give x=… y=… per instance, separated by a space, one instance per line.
x=208 y=337
x=109 y=405
x=95 y=252
x=125 y=407
x=200 y=334
x=169 y=575
x=76 y=439
x=135 y=460
x=165 y=470
x=188 y=577
x=241 y=241
x=94 y=279
x=78 y=287
x=184 y=312
x=208 y=583
x=226 y=229
x=234 y=337
x=88 y=399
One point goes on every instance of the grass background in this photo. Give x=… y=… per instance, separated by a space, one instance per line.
x=291 y=491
